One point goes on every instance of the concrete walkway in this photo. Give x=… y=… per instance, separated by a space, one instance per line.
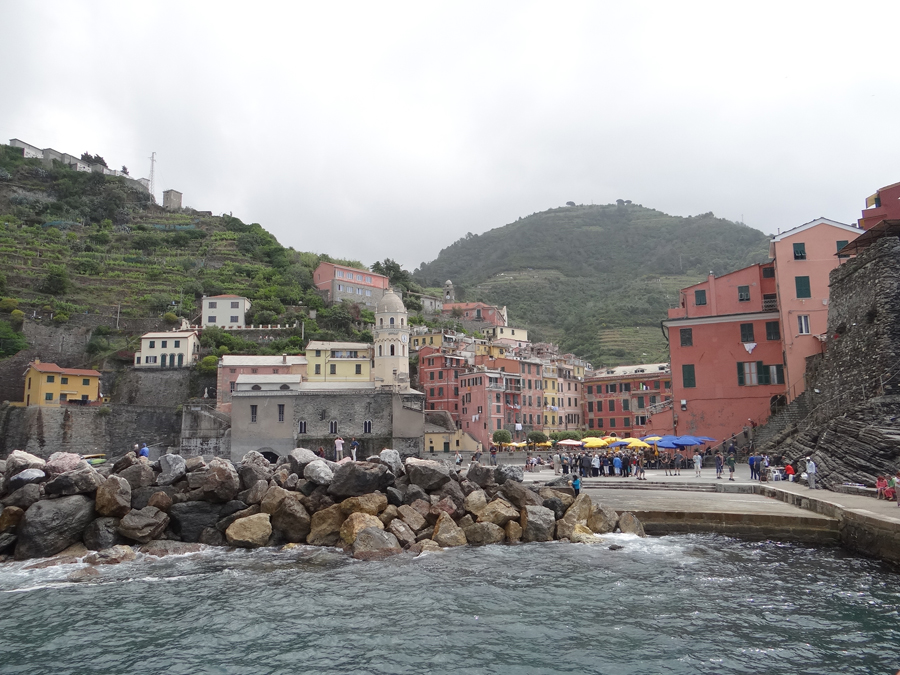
x=744 y=507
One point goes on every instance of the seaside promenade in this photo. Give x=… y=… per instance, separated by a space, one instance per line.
x=747 y=508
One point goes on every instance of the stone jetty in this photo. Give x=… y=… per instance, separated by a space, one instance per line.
x=379 y=507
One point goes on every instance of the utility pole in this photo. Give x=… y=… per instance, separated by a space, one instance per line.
x=152 y=167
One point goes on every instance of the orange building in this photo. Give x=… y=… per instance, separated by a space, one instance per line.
x=726 y=352
x=629 y=400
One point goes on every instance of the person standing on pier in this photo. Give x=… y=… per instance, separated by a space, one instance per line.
x=698 y=463
x=811 y=473
x=720 y=466
x=731 y=461
x=338 y=449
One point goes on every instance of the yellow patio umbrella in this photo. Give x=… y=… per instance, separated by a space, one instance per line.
x=594 y=442
x=545 y=444
x=638 y=443
x=630 y=440
x=653 y=439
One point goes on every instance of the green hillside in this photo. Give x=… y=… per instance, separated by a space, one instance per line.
x=596 y=279
x=74 y=242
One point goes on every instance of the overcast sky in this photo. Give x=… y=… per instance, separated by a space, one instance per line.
x=383 y=129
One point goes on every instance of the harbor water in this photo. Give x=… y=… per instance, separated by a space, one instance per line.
x=676 y=604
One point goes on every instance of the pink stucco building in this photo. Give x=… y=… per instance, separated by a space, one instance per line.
x=726 y=352
x=804 y=257
x=339 y=282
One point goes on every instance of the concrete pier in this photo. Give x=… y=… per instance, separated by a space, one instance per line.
x=750 y=509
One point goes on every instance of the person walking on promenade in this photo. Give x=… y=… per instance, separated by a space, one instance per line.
x=617 y=465
x=338 y=449
x=557 y=463
x=493 y=455
x=605 y=462
x=811 y=473
x=595 y=466
x=720 y=466
x=354 y=446
x=731 y=461
x=565 y=464
x=698 y=463
x=751 y=462
x=677 y=464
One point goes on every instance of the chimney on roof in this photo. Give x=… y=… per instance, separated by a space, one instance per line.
x=284 y=358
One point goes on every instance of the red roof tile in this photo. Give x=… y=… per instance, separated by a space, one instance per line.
x=53 y=368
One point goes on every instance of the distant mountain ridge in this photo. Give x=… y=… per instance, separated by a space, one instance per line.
x=581 y=274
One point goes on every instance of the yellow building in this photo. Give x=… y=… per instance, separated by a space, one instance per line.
x=49 y=385
x=550 y=382
x=339 y=361
x=441 y=435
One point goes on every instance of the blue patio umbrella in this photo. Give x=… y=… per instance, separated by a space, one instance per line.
x=687 y=441
x=707 y=439
x=618 y=444
x=668 y=445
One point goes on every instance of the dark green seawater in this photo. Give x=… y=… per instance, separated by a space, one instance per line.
x=681 y=604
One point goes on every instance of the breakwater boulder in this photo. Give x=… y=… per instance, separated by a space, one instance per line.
x=373 y=509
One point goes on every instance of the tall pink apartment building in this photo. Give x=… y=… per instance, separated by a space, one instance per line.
x=339 y=282
x=883 y=205
x=739 y=343
x=804 y=257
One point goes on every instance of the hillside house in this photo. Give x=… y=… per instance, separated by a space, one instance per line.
x=47 y=384
x=231 y=367
x=224 y=311
x=339 y=282
x=173 y=349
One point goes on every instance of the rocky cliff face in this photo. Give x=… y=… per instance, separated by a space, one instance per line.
x=853 y=390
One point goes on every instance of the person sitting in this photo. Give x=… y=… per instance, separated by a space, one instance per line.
x=789 y=471
x=880 y=486
x=890 y=492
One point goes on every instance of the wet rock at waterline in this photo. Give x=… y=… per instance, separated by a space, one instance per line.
x=51 y=525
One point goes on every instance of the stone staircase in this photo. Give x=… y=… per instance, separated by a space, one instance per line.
x=789 y=417
x=632 y=484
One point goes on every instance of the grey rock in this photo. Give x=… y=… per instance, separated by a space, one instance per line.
x=51 y=525
x=164 y=547
x=25 y=477
x=19 y=460
x=415 y=493
x=143 y=525
x=194 y=464
x=212 y=537
x=138 y=475
x=519 y=495
x=61 y=462
x=538 y=523
x=481 y=534
x=292 y=482
x=189 y=519
x=7 y=541
x=84 y=574
x=222 y=482
x=555 y=504
x=110 y=556
x=394 y=496
x=195 y=479
x=483 y=476
x=427 y=474
x=299 y=458
x=126 y=460
x=603 y=519
x=140 y=497
x=375 y=544
x=562 y=481
x=392 y=460
x=451 y=490
x=353 y=479
x=23 y=497
x=102 y=533
x=172 y=469
x=292 y=520
x=629 y=524
x=223 y=524
x=318 y=472
x=404 y=533
x=506 y=472
x=114 y=497
x=80 y=481
x=615 y=547
x=233 y=506
x=254 y=467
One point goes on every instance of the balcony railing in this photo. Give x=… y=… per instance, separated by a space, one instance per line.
x=770 y=304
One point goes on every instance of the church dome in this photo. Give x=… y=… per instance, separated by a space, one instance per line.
x=390 y=303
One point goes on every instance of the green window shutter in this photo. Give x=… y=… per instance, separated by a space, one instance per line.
x=740 y=367
x=687 y=375
x=803 y=290
x=762 y=372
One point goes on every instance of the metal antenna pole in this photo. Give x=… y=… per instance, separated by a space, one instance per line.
x=152 y=166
